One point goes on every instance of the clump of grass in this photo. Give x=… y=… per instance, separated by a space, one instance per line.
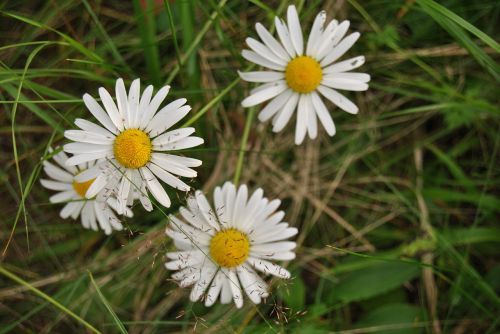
x=397 y=213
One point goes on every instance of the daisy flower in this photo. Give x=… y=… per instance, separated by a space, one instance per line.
x=134 y=144
x=301 y=73
x=219 y=250
x=91 y=211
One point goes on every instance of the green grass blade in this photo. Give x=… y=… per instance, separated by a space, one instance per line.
x=457 y=32
x=109 y=41
x=103 y=299
x=48 y=298
x=78 y=46
x=461 y=22
x=196 y=41
x=145 y=23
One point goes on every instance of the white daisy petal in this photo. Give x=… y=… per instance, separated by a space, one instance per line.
x=207 y=274
x=261 y=60
x=70 y=208
x=63 y=196
x=226 y=294
x=124 y=190
x=275 y=105
x=81 y=158
x=340 y=32
x=284 y=36
x=102 y=218
x=312 y=122
x=155 y=187
x=323 y=114
x=280 y=256
x=264 y=51
x=133 y=103
x=96 y=110
x=79 y=148
x=272 y=236
x=57 y=173
x=325 y=39
x=239 y=205
x=55 y=185
x=173 y=167
x=340 y=49
x=172 y=136
x=264 y=95
x=295 y=30
x=214 y=290
x=282 y=246
x=144 y=104
x=88 y=174
x=281 y=119
x=122 y=102
x=144 y=199
x=351 y=76
x=315 y=33
x=111 y=108
x=181 y=144
x=94 y=128
x=178 y=160
x=269 y=267
x=168 y=116
x=302 y=119
x=87 y=137
x=234 y=284
x=271 y=42
x=61 y=158
x=89 y=212
x=153 y=106
x=261 y=76
x=249 y=284
x=168 y=178
x=344 y=84
x=338 y=99
x=344 y=66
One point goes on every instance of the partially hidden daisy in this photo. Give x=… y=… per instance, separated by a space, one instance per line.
x=134 y=144
x=301 y=73
x=94 y=214
x=220 y=249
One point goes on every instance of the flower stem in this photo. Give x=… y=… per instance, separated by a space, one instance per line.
x=244 y=140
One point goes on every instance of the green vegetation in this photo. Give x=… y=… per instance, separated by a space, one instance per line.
x=397 y=213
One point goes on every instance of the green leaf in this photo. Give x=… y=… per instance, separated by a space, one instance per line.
x=294 y=294
x=465 y=236
x=452 y=196
x=372 y=281
x=394 y=318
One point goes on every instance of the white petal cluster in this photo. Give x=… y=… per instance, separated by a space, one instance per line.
x=138 y=112
x=253 y=215
x=94 y=214
x=326 y=45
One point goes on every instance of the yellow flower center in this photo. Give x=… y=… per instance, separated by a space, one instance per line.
x=229 y=248
x=303 y=74
x=82 y=187
x=132 y=148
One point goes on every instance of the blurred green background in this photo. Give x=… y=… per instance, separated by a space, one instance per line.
x=397 y=214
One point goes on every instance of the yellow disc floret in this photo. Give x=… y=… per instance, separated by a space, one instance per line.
x=132 y=148
x=82 y=187
x=303 y=74
x=229 y=248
